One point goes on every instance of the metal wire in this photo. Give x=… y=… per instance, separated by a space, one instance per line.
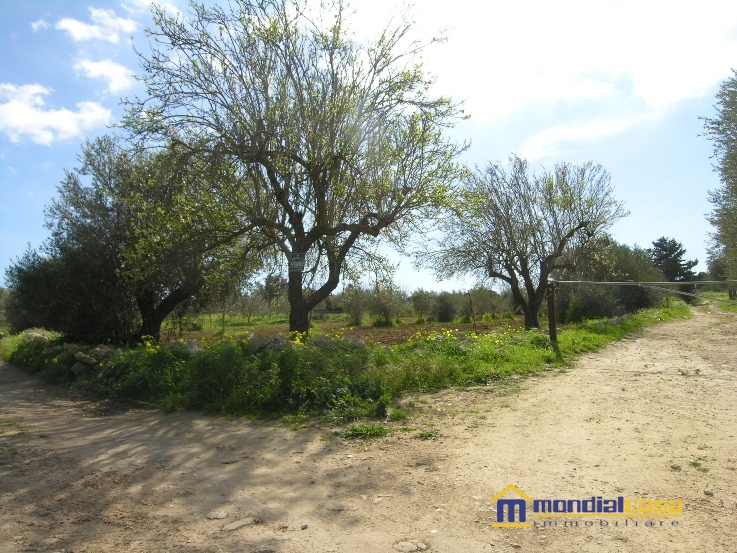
x=650 y=285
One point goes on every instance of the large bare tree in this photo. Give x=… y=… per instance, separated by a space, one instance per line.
x=514 y=226
x=334 y=142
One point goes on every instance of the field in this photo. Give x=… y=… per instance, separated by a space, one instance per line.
x=337 y=325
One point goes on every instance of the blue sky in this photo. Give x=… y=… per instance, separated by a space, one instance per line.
x=619 y=82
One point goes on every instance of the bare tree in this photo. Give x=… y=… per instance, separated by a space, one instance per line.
x=510 y=225
x=333 y=142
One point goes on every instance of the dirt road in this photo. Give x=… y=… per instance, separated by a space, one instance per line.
x=651 y=417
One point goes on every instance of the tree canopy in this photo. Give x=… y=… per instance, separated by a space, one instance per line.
x=722 y=131
x=331 y=142
x=114 y=266
x=668 y=256
x=514 y=226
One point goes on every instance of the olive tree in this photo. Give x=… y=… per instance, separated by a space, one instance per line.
x=115 y=265
x=334 y=142
x=514 y=226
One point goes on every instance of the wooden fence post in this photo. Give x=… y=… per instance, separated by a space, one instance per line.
x=551 y=312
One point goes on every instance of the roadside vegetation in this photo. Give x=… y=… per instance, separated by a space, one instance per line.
x=340 y=379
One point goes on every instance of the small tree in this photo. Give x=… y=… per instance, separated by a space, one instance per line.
x=445 y=307
x=515 y=226
x=272 y=290
x=667 y=255
x=423 y=303
x=355 y=302
x=387 y=302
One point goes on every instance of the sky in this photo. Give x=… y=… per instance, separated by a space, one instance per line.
x=618 y=82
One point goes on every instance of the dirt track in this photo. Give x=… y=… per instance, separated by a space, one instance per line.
x=651 y=417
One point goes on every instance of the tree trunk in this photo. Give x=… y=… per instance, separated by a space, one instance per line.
x=153 y=313
x=531 y=316
x=299 y=311
x=151 y=324
x=299 y=317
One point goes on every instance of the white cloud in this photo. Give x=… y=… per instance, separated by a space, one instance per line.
x=118 y=76
x=504 y=56
x=138 y=7
x=22 y=114
x=106 y=26
x=551 y=142
x=40 y=24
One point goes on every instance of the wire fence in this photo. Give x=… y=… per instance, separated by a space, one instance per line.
x=661 y=286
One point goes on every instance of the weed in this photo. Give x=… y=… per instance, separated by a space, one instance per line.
x=294 y=422
x=698 y=465
x=428 y=435
x=365 y=431
x=398 y=414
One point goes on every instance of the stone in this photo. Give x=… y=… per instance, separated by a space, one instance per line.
x=79 y=368
x=325 y=343
x=193 y=347
x=276 y=343
x=36 y=337
x=103 y=352
x=216 y=515
x=86 y=359
x=252 y=342
x=71 y=348
x=708 y=492
x=240 y=523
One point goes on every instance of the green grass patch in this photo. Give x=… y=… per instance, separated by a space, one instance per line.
x=723 y=302
x=427 y=435
x=365 y=431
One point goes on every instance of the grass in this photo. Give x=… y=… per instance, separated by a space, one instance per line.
x=698 y=465
x=365 y=431
x=343 y=382
x=725 y=304
x=428 y=435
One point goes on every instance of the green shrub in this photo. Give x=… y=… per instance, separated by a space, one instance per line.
x=150 y=373
x=444 y=309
